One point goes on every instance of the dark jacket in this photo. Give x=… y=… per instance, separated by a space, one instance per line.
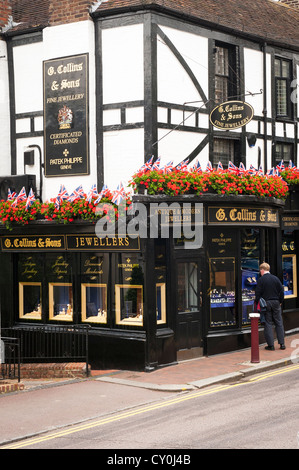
x=269 y=287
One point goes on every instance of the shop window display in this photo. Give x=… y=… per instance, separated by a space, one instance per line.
x=94 y=303
x=94 y=281
x=289 y=276
x=289 y=265
x=60 y=301
x=161 y=302
x=222 y=292
x=129 y=290
x=250 y=261
x=129 y=304
x=30 y=300
x=60 y=288
x=30 y=287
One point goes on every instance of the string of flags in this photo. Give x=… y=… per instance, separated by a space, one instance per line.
x=119 y=194
x=238 y=170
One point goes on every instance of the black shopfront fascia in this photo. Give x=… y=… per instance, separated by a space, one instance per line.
x=134 y=343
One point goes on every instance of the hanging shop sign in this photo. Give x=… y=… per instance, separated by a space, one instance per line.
x=66 y=137
x=231 y=115
x=243 y=216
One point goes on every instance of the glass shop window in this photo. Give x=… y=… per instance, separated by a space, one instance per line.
x=222 y=292
x=160 y=280
x=59 y=272
x=129 y=302
x=94 y=281
x=289 y=265
x=30 y=287
x=187 y=287
x=250 y=261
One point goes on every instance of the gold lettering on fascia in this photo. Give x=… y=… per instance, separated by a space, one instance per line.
x=246 y=215
x=86 y=242
x=60 y=267
x=92 y=268
x=29 y=268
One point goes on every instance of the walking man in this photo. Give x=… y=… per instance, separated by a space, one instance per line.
x=270 y=288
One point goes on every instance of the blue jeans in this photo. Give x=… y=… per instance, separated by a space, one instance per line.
x=273 y=315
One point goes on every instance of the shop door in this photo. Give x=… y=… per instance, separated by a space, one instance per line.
x=189 y=301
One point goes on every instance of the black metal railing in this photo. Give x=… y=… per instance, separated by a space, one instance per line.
x=10 y=358
x=51 y=343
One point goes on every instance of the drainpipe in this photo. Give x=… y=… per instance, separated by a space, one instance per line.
x=265 y=111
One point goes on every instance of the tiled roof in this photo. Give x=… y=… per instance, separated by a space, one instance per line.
x=29 y=14
x=263 y=19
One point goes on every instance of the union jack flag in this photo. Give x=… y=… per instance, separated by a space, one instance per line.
x=11 y=195
x=196 y=167
x=260 y=171
x=242 y=169
x=168 y=168
x=183 y=166
x=220 y=167
x=232 y=168
x=146 y=166
x=252 y=170
x=63 y=194
x=209 y=167
x=77 y=193
x=20 y=197
x=280 y=166
x=291 y=165
x=30 y=199
x=102 y=194
x=156 y=164
x=92 y=193
x=271 y=172
x=118 y=195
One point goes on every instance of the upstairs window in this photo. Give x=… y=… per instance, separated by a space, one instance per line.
x=226 y=73
x=283 y=78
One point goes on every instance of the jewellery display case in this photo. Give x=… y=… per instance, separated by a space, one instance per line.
x=94 y=303
x=60 y=301
x=289 y=275
x=30 y=300
x=129 y=304
x=222 y=292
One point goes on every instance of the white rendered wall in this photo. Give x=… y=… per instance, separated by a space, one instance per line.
x=122 y=61
x=123 y=155
x=123 y=81
x=5 y=160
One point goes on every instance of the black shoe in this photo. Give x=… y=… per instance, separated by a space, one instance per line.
x=270 y=348
x=282 y=346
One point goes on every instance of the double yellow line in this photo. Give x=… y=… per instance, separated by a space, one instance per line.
x=144 y=409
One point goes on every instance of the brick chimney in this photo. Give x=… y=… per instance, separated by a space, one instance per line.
x=69 y=11
x=291 y=3
x=5 y=13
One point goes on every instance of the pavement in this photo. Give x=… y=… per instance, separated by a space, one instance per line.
x=190 y=374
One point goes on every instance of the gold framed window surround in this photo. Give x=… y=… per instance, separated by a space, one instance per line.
x=30 y=300
x=161 y=302
x=94 y=302
x=129 y=304
x=60 y=301
x=289 y=267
